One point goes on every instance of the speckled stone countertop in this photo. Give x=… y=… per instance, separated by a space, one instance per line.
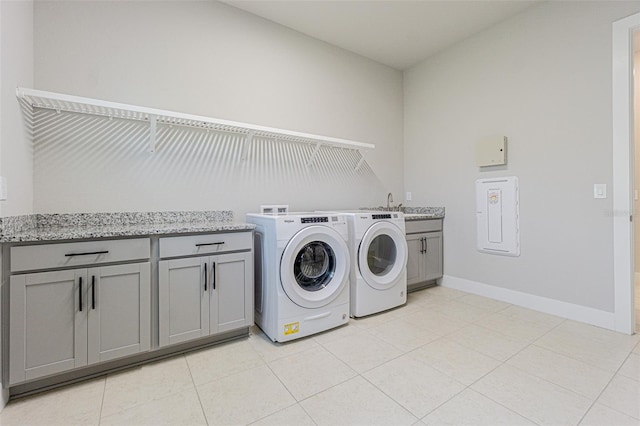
x=415 y=213
x=72 y=226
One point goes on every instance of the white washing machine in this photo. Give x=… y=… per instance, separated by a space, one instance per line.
x=378 y=249
x=302 y=273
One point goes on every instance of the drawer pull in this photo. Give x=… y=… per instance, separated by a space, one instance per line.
x=213 y=275
x=87 y=253
x=205 y=276
x=80 y=292
x=93 y=291
x=210 y=244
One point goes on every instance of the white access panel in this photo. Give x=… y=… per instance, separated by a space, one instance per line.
x=491 y=152
x=497 y=212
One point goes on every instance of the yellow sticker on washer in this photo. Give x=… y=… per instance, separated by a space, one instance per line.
x=292 y=328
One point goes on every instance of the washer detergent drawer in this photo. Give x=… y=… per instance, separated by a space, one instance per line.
x=205 y=244
x=65 y=255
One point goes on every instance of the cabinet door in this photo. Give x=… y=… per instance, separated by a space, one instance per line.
x=415 y=259
x=232 y=292
x=48 y=323
x=183 y=300
x=433 y=261
x=118 y=309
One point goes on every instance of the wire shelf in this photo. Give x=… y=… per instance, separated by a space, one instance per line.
x=76 y=104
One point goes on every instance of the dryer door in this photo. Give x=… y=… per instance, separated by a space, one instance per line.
x=382 y=255
x=314 y=268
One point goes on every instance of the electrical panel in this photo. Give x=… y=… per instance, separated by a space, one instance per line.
x=497 y=213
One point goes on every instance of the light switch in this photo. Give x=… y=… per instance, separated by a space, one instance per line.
x=599 y=190
x=408 y=197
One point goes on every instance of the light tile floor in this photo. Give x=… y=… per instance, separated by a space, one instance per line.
x=447 y=357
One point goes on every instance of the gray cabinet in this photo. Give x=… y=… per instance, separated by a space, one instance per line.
x=61 y=320
x=424 y=241
x=118 y=311
x=48 y=331
x=204 y=295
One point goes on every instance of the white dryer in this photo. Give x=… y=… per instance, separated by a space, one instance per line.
x=302 y=266
x=378 y=249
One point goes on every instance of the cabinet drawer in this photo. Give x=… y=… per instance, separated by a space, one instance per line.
x=205 y=244
x=65 y=255
x=429 y=225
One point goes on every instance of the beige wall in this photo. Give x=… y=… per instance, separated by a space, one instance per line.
x=543 y=79
x=209 y=59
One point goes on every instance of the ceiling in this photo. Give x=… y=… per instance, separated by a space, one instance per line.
x=397 y=33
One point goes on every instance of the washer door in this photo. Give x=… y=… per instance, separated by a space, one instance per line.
x=382 y=255
x=314 y=268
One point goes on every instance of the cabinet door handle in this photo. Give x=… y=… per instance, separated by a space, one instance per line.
x=205 y=276
x=210 y=244
x=421 y=245
x=93 y=291
x=213 y=275
x=425 y=244
x=87 y=253
x=80 y=292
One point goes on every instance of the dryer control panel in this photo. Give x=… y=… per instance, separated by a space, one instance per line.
x=323 y=219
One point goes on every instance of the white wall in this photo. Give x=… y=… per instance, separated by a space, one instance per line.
x=16 y=153
x=209 y=59
x=16 y=69
x=543 y=79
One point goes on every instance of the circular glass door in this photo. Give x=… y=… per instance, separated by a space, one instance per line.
x=314 y=267
x=382 y=255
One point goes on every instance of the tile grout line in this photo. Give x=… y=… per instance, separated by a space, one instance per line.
x=104 y=391
x=283 y=385
x=504 y=363
x=196 y=389
x=605 y=388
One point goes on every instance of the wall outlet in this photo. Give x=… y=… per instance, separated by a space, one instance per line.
x=408 y=197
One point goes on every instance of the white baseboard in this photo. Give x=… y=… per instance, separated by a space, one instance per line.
x=4 y=398
x=549 y=306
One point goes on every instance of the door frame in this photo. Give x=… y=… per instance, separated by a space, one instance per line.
x=623 y=172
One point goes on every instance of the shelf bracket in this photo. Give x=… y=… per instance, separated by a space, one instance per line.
x=153 y=121
x=314 y=154
x=247 y=144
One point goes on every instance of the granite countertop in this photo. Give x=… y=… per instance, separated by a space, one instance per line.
x=414 y=213
x=70 y=226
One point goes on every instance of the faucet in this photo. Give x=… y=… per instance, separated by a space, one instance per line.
x=389 y=200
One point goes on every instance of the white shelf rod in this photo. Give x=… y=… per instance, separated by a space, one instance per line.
x=39 y=98
x=153 y=120
x=247 y=143
x=314 y=154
